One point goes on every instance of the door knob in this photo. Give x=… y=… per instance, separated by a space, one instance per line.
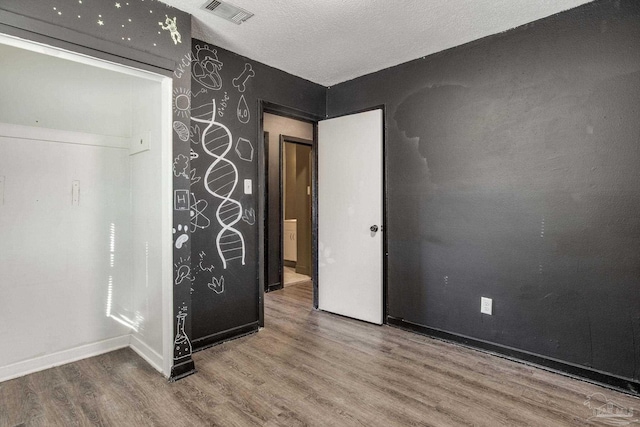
x=373 y=228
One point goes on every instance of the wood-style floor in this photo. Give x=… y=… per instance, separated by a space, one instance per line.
x=309 y=368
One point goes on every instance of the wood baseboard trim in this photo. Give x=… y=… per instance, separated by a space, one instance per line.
x=604 y=379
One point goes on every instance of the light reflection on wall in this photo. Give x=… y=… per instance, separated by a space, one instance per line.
x=120 y=318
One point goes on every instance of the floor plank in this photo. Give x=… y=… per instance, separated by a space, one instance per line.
x=308 y=368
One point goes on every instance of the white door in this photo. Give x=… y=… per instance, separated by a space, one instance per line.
x=349 y=209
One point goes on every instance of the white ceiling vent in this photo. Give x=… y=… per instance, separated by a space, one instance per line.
x=225 y=10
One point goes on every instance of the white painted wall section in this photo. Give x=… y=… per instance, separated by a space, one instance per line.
x=86 y=245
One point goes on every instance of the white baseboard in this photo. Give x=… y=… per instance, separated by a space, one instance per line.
x=41 y=363
x=147 y=353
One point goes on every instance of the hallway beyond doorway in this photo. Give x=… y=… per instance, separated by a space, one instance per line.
x=293 y=278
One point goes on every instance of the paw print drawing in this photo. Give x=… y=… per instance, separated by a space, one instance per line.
x=181 y=232
x=249 y=216
x=217 y=286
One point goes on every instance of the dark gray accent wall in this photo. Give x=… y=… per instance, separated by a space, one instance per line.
x=225 y=143
x=513 y=167
x=145 y=34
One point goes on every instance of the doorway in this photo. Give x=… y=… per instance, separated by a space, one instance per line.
x=289 y=172
x=351 y=151
x=295 y=182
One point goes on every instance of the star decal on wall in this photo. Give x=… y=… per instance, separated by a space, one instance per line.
x=121 y=19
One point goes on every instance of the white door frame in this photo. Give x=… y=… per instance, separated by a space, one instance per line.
x=166 y=171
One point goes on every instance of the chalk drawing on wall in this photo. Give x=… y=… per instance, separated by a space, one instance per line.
x=244 y=149
x=183 y=270
x=194 y=178
x=182 y=130
x=206 y=69
x=217 y=285
x=181 y=344
x=171 y=26
x=180 y=166
x=181 y=102
x=181 y=235
x=223 y=105
x=183 y=65
x=198 y=218
x=220 y=180
x=195 y=134
x=181 y=200
x=249 y=216
x=243 y=110
x=240 y=82
x=202 y=267
x=201 y=91
x=193 y=155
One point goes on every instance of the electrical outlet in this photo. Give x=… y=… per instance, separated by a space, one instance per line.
x=486 y=306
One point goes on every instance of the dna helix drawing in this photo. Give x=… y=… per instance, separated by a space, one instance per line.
x=220 y=180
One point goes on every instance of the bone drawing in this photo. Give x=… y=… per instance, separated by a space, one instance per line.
x=240 y=82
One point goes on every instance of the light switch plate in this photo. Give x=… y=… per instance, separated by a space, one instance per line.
x=486 y=306
x=248 y=187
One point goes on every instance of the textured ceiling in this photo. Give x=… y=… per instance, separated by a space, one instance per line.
x=330 y=41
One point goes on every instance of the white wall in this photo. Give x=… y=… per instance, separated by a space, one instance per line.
x=62 y=266
x=95 y=100
x=77 y=280
x=146 y=204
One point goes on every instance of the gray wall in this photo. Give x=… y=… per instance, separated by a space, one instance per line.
x=225 y=294
x=513 y=173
